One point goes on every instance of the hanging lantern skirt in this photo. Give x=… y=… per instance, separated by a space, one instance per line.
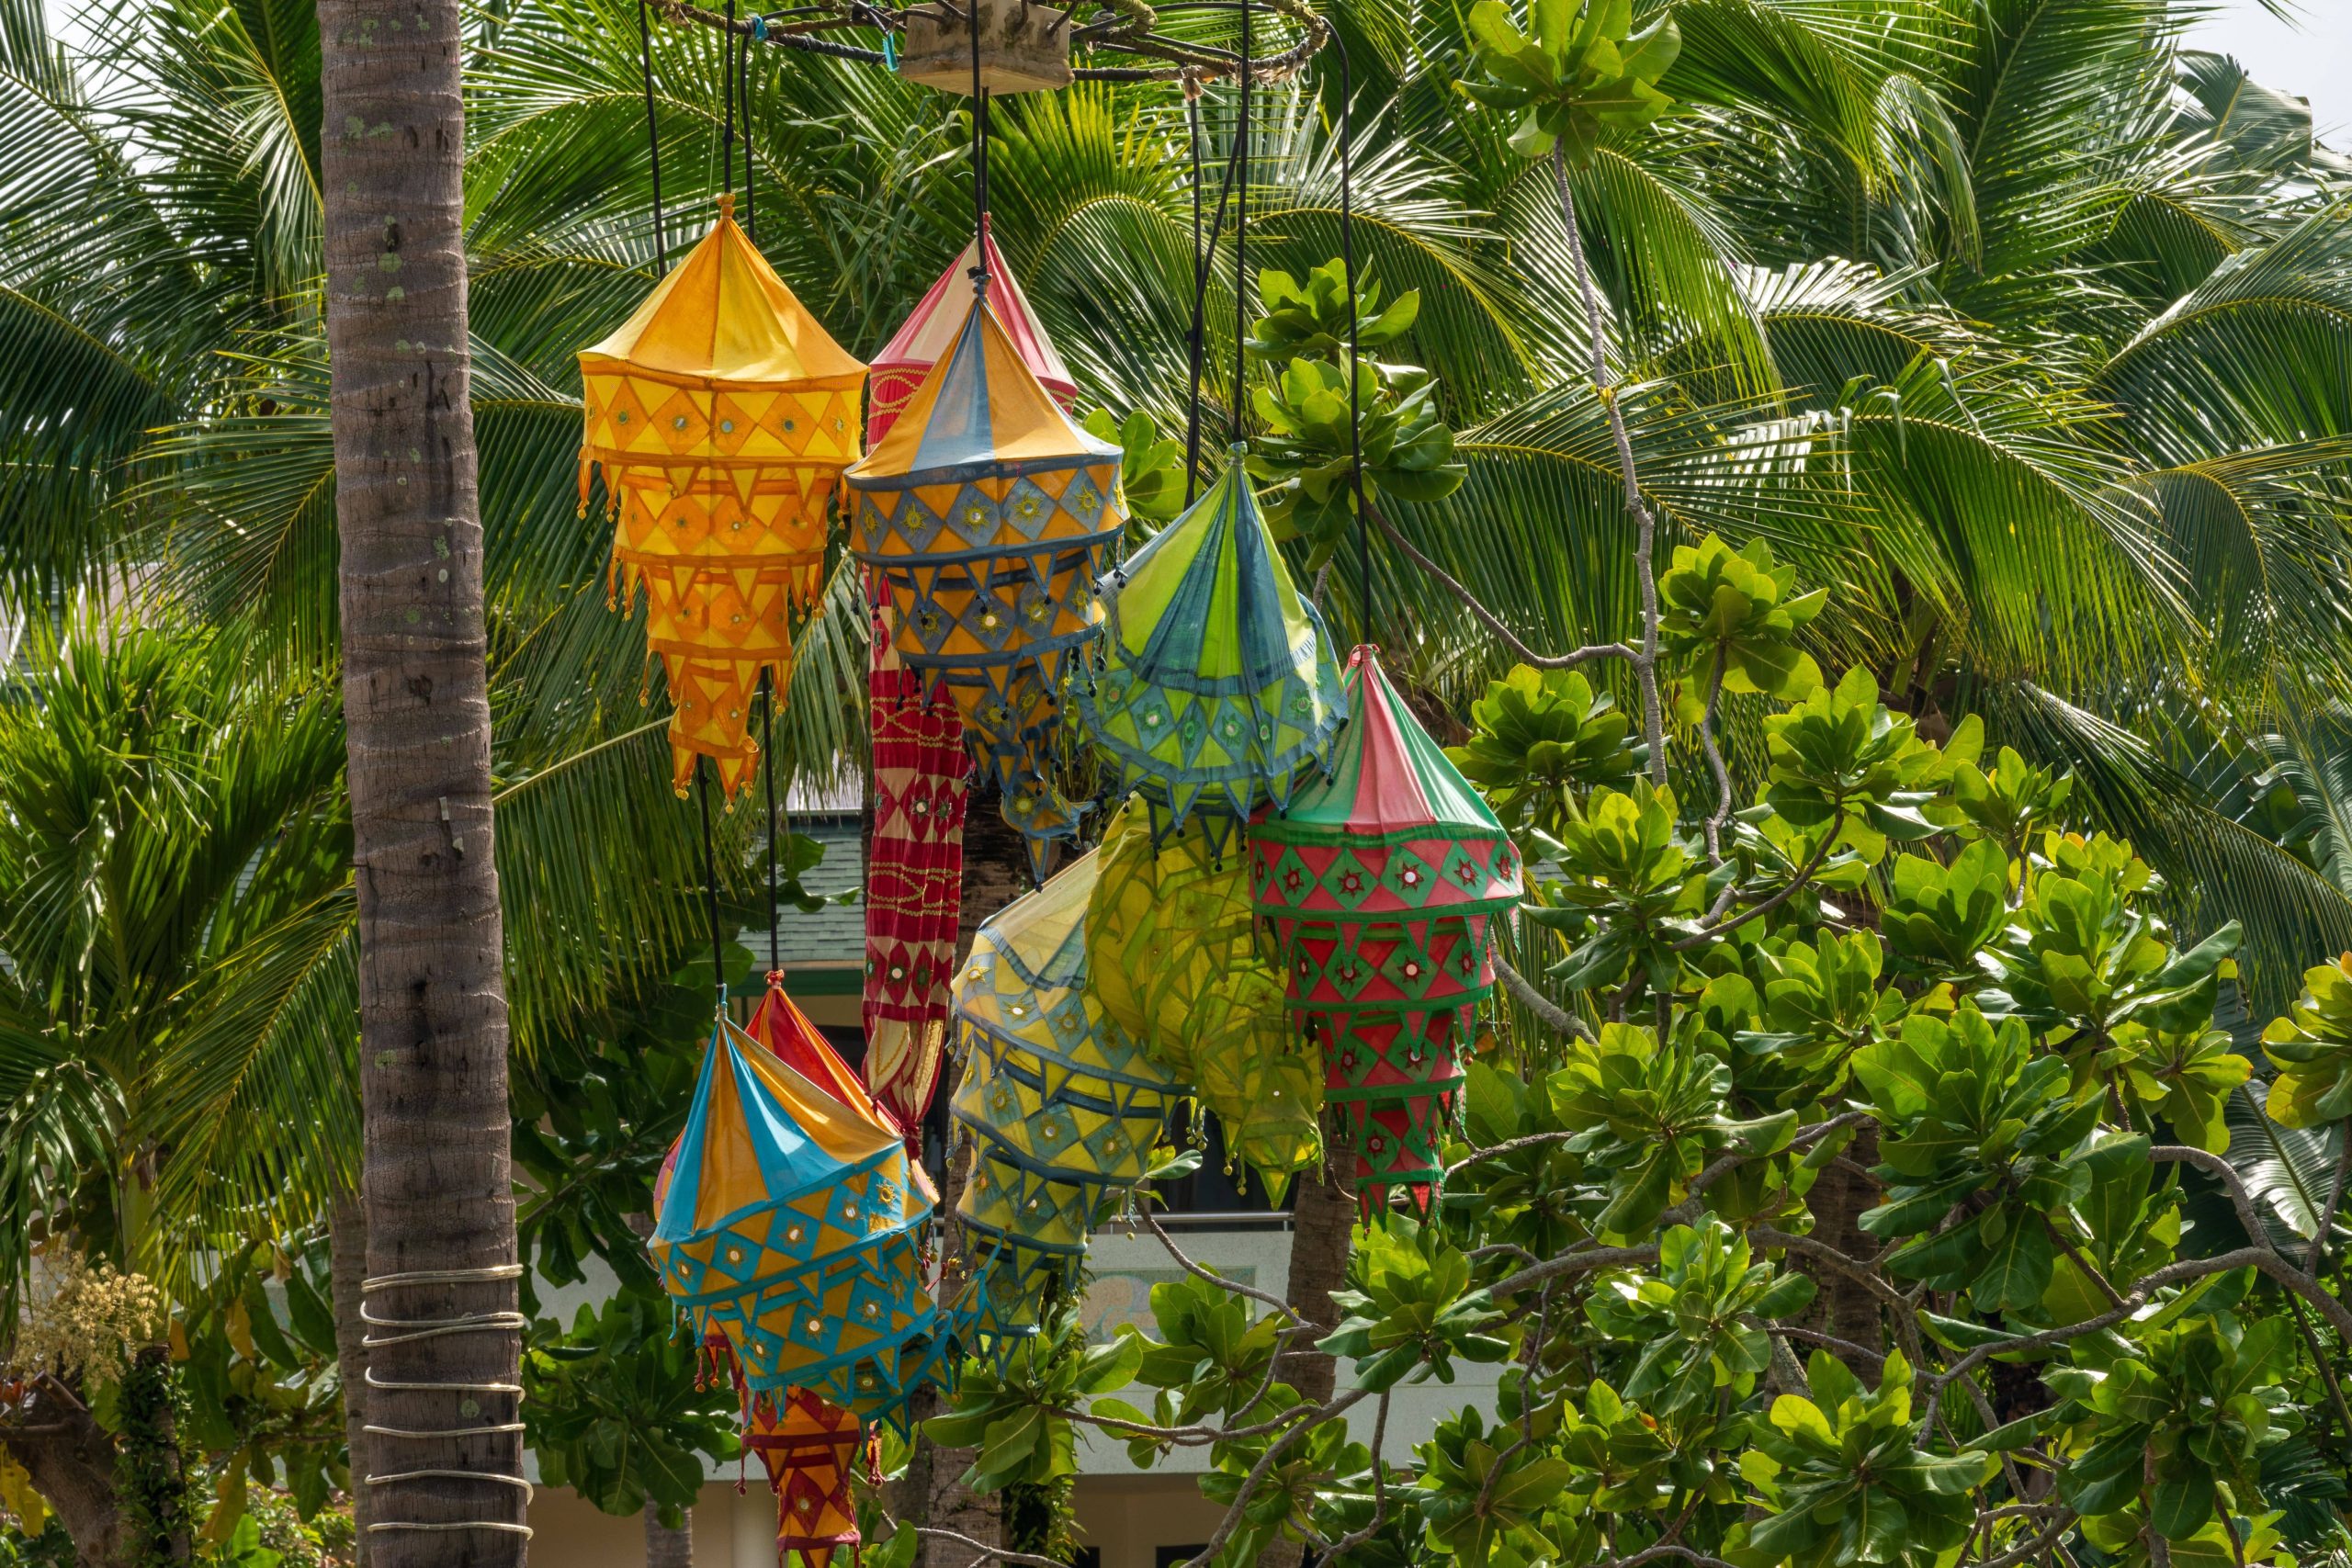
x=1173 y=960
x=1063 y=1106
x=1377 y=886
x=809 y=1451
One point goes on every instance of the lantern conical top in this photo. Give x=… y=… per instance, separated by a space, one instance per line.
x=927 y=335
x=1388 y=779
x=982 y=409
x=722 y=317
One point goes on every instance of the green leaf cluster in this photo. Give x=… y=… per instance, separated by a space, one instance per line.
x=1579 y=70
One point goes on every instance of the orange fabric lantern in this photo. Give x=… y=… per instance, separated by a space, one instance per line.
x=810 y=1449
x=722 y=415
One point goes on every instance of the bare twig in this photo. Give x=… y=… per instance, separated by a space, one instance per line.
x=2325 y=1229
x=1239 y=1289
x=1860 y=1352
x=1644 y=523
x=1251 y=1481
x=1804 y=874
x=1722 y=813
x=1724 y=1164
x=1580 y=1262
x=1512 y=1147
x=1485 y=617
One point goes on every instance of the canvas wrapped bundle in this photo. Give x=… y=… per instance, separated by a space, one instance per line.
x=1063 y=1108
x=1215 y=689
x=1378 y=886
x=721 y=415
x=1173 y=960
x=985 y=516
x=788 y=1220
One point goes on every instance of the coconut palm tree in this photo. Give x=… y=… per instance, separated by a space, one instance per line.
x=174 y=854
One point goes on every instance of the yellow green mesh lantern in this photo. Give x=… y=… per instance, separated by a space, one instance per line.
x=1215 y=687
x=1063 y=1105
x=1172 y=959
x=1377 y=885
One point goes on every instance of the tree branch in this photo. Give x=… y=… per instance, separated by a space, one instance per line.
x=1547 y=1011
x=1485 y=617
x=1644 y=523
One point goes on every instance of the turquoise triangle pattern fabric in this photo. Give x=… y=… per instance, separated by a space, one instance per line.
x=790 y=1223
x=1216 y=689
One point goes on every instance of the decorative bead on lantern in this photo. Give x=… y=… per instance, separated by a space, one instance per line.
x=721 y=416
x=1377 y=885
x=790 y=1219
x=985 y=515
x=1173 y=960
x=1063 y=1106
x=927 y=335
x=1215 y=688
x=809 y=1449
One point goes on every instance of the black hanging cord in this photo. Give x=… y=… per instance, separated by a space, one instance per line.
x=1355 y=413
x=1200 y=310
x=653 y=134
x=727 y=76
x=1242 y=236
x=710 y=876
x=1200 y=278
x=980 y=159
x=767 y=771
x=751 y=222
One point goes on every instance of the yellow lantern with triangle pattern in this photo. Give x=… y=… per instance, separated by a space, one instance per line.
x=721 y=416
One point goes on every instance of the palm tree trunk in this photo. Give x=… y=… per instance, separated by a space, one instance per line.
x=1322 y=1222
x=666 y=1547
x=347 y=1266
x=151 y=1473
x=439 y=1199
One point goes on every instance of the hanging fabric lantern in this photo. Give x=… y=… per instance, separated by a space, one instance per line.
x=914 y=883
x=1064 y=1106
x=926 y=336
x=809 y=1451
x=985 y=515
x=1215 y=687
x=1377 y=884
x=790 y=1220
x=721 y=416
x=1172 y=959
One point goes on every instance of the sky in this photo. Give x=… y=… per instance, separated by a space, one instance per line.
x=2310 y=57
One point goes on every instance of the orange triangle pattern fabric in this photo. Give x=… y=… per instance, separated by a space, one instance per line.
x=721 y=415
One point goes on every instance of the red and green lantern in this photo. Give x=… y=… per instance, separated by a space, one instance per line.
x=1377 y=885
